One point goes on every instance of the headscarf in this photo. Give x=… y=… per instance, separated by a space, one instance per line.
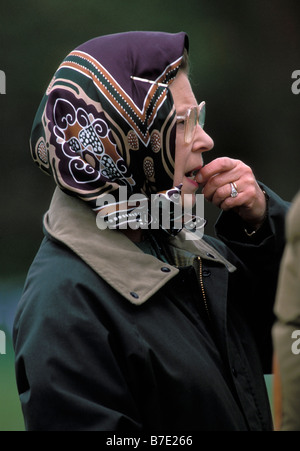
x=101 y=130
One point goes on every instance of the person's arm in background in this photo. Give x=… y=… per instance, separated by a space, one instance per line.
x=286 y=331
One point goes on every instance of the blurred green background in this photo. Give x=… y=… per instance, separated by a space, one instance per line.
x=243 y=54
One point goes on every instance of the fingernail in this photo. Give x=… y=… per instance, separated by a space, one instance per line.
x=199 y=177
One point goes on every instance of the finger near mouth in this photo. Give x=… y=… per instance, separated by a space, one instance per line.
x=192 y=174
x=191 y=177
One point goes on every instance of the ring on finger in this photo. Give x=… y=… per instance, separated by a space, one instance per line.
x=234 y=190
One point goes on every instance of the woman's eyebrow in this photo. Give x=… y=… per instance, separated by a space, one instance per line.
x=182 y=112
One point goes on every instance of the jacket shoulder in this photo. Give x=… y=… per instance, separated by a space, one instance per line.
x=293 y=220
x=55 y=269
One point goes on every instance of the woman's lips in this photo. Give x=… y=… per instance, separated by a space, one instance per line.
x=191 y=176
x=192 y=182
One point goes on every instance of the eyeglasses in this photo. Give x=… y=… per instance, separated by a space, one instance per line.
x=194 y=116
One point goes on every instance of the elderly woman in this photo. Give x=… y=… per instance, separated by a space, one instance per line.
x=138 y=325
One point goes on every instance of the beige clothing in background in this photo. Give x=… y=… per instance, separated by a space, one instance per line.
x=286 y=331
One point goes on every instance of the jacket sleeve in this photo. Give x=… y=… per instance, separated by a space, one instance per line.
x=68 y=373
x=261 y=255
x=268 y=242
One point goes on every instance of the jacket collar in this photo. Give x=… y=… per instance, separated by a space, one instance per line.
x=131 y=272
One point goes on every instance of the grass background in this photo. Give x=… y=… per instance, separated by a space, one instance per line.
x=11 y=418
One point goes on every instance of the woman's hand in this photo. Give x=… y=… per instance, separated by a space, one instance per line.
x=216 y=177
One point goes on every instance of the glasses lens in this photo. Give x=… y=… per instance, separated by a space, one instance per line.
x=202 y=112
x=194 y=115
x=190 y=124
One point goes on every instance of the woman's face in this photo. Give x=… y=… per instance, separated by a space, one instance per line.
x=188 y=157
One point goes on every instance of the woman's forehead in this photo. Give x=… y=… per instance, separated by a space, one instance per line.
x=182 y=92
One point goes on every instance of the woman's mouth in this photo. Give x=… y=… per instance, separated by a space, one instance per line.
x=191 y=175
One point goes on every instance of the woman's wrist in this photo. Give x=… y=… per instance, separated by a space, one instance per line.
x=251 y=230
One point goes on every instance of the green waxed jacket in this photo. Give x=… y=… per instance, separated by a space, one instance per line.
x=110 y=338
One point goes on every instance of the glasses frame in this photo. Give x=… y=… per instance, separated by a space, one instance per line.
x=193 y=116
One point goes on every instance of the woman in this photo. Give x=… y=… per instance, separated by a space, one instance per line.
x=133 y=326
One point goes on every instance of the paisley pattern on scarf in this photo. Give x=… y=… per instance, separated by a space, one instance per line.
x=98 y=129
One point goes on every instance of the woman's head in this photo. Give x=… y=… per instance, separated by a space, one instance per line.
x=102 y=125
x=93 y=107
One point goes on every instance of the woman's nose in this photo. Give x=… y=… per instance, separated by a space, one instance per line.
x=202 y=141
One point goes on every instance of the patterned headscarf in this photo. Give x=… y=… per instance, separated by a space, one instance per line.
x=100 y=128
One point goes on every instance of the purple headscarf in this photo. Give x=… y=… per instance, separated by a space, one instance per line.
x=99 y=128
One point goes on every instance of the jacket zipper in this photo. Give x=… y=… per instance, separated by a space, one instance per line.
x=202 y=285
